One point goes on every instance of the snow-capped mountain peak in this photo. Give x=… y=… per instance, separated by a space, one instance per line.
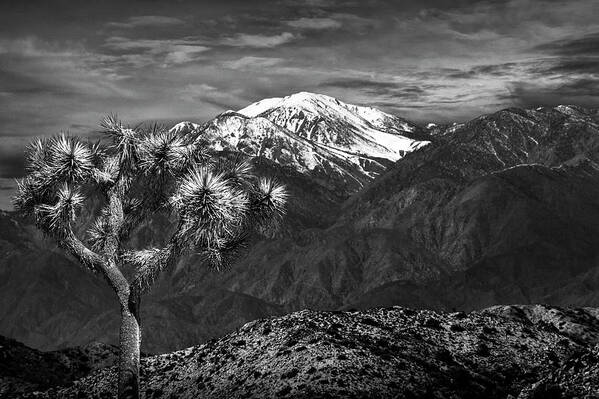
x=184 y=128
x=323 y=119
x=343 y=144
x=312 y=102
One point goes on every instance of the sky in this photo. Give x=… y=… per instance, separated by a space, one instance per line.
x=64 y=64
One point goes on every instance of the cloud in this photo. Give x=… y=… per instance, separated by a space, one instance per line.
x=149 y=51
x=585 y=45
x=571 y=56
x=258 y=41
x=33 y=65
x=314 y=23
x=568 y=66
x=146 y=21
x=357 y=83
x=251 y=62
x=389 y=89
x=571 y=91
x=217 y=97
x=52 y=86
x=487 y=70
x=182 y=53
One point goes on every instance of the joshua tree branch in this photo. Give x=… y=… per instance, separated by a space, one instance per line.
x=86 y=256
x=95 y=262
x=150 y=263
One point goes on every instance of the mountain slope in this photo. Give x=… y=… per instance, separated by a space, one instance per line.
x=393 y=352
x=514 y=236
x=24 y=370
x=509 y=200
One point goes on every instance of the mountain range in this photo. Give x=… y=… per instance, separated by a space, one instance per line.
x=501 y=209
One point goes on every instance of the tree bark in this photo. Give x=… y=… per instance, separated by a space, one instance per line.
x=130 y=342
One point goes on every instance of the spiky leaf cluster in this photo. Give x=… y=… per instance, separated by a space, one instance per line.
x=99 y=231
x=210 y=208
x=162 y=153
x=268 y=205
x=150 y=263
x=57 y=168
x=216 y=198
x=54 y=218
x=124 y=142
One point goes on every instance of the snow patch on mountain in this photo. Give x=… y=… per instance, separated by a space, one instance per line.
x=184 y=128
x=359 y=130
x=315 y=134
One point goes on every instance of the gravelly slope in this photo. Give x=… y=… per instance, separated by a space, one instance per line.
x=390 y=352
x=24 y=370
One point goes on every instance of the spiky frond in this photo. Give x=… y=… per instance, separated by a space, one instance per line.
x=149 y=263
x=98 y=234
x=193 y=155
x=70 y=159
x=37 y=155
x=108 y=171
x=222 y=255
x=124 y=139
x=102 y=177
x=30 y=193
x=198 y=154
x=209 y=207
x=268 y=205
x=132 y=205
x=274 y=195
x=238 y=171
x=55 y=218
x=162 y=153
x=98 y=152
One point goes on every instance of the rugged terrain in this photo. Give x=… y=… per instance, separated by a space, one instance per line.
x=24 y=370
x=500 y=352
x=501 y=209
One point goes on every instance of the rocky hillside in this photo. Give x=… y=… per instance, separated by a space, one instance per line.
x=24 y=370
x=500 y=352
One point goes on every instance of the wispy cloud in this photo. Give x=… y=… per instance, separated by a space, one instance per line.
x=151 y=51
x=258 y=41
x=251 y=62
x=314 y=23
x=70 y=69
x=146 y=21
x=212 y=95
x=585 y=45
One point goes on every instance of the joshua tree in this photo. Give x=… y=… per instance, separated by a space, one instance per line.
x=214 y=201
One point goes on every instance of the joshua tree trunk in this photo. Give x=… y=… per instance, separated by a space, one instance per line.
x=130 y=341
